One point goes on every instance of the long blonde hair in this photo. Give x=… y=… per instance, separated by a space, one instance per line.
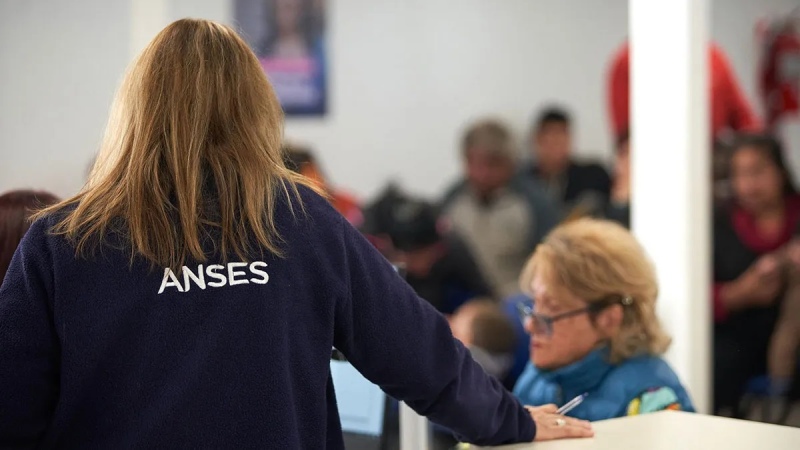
x=192 y=149
x=597 y=260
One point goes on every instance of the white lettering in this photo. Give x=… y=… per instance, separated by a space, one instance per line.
x=264 y=277
x=198 y=279
x=211 y=271
x=215 y=276
x=232 y=273
x=169 y=280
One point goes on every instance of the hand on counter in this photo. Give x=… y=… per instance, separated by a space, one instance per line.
x=551 y=426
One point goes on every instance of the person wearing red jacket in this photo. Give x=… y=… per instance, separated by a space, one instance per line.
x=730 y=110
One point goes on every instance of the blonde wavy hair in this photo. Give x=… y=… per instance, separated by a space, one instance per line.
x=597 y=261
x=192 y=149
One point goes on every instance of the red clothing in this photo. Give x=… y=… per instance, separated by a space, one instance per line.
x=349 y=207
x=748 y=233
x=779 y=89
x=729 y=107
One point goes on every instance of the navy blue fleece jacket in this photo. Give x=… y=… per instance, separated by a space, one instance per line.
x=98 y=354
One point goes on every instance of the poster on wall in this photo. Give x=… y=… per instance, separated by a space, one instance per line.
x=288 y=36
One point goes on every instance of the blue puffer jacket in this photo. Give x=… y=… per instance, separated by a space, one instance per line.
x=636 y=386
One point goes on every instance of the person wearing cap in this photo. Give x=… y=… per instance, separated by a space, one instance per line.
x=438 y=264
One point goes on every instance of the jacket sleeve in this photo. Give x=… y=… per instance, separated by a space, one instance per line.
x=28 y=345
x=401 y=343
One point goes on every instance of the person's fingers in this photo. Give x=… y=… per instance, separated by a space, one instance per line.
x=572 y=431
x=548 y=428
x=569 y=421
x=553 y=420
x=546 y=409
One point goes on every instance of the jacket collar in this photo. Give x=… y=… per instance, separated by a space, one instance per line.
x=583 y=375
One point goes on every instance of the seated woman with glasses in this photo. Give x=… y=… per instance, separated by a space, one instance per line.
x=593 y=327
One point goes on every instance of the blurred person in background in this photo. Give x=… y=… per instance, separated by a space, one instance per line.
x=573 y=184
x=16 y=208
x=730 y=110
x=749 y=272
x=190 y=294
x=593 y=325
x=501 y=217
x=302 y=161
x=438 y=264
x=482 y=326
x=618 y=208
x=784 y=347
x=378 y=216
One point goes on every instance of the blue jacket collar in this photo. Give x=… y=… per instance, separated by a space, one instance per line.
x=583 y=375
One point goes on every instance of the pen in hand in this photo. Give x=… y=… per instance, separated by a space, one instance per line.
x=572 y=404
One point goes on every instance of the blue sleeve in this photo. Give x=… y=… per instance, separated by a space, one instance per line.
x=28 y=344
x=663 y=398
x=401 y=343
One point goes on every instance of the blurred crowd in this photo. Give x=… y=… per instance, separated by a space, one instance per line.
x=464 y=252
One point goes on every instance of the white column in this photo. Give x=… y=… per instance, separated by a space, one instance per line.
x=414 y=430
x=147 y=18
x=671 y=173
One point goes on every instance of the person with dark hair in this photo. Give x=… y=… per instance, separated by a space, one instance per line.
x=502 y=217
x=16 y=208
x=573 y=184
x=749 y=235
x=302 y=161
x=438 y=263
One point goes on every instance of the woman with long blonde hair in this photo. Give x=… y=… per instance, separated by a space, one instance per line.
x=190 y=294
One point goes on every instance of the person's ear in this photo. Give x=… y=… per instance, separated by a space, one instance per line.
x=609 y=320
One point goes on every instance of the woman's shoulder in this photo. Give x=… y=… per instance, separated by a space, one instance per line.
x=647 y=384
x=645 y=367
x=311 y=205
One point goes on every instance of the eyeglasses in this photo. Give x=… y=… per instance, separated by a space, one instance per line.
x=542 y=324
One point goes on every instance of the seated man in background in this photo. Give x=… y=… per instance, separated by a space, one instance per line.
x=437 y=263
x=501 y=217
x=573 y=184
x=301 y=160
x=482 y=326
x=593 y=326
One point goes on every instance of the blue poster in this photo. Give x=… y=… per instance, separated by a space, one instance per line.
x=288 y=36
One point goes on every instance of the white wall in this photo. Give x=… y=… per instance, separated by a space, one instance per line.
x=59 y=65
x=406 y=78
